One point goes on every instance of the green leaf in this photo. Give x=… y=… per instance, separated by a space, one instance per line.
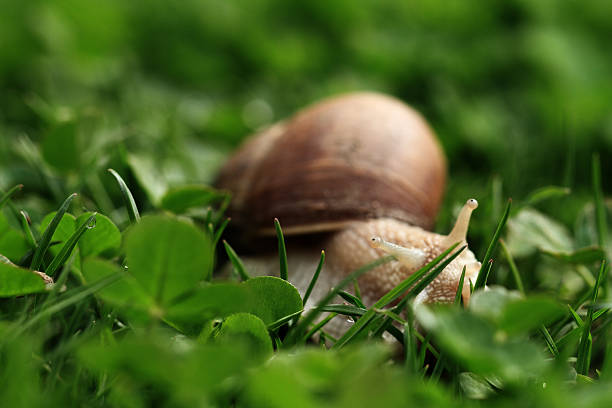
x=587 y=226
x=521 y=316
x=124 y=293
x=149 y=175
x=475 y=386
x=104 y=239
x=15 y=281
x=479 y=346
x=180 y=199
x=274 y=298
x=192 y=370
x=529 y=230
x=490 y=303
x=216 y=300
x=247 y=329
x=587 y=255
x=168 y=257
x=512 y=313
x=13 y=244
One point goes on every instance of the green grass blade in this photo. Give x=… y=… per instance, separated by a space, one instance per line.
x=314 y=279
x=438 y=368
x=347 y=310
x=550 y=343
x=577 y=319
x=601 y=276
x=387 y=323
x=600 y=211
x=559 y=325
x=283 y=320
x=282 y=250
x=393 y=316
x=546 y=193
x=128 y=198
x=411 y=356
x=26 y=223
x=570 y=336
x=5 y=260
x=357 y=273
x=219 y=231
x=399 y=290
x=583 y=359
x=318 y=326
x=208 y=216
x=515 y=272
x=7 y=196
x=59 y=283
x=66 y=250
x=45 y=241
x=352 y=299
x=225 y=202
x=309 y=317
x=486 y=266
x=236 y=262
x=357 y=290
x=68 y=299
x=484 y=275
x=460 y=287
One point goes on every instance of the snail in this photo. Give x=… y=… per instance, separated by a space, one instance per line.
x=358 y=175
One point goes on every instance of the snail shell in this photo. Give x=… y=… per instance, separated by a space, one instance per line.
x=356 y=166
x=352 y=157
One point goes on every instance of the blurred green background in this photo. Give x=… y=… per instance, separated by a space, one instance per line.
x=518 y=91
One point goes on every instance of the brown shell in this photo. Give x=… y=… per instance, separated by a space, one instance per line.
x=352 y=157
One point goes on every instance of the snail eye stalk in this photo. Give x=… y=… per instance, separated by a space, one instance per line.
x=459 y=231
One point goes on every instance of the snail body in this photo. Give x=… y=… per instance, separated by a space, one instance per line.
x=364 y=175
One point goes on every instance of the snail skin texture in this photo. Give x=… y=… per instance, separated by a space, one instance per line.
x=413 y=248
x=360 y=175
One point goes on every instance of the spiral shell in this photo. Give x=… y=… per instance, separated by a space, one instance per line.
x=353 y=157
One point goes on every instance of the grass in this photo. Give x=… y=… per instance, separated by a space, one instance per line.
x=128 y=198
x=118 y=306
x=160 y=94
x=425 y=357
x=45 y=240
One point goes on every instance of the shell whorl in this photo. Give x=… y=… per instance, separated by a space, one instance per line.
x=352 y=157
